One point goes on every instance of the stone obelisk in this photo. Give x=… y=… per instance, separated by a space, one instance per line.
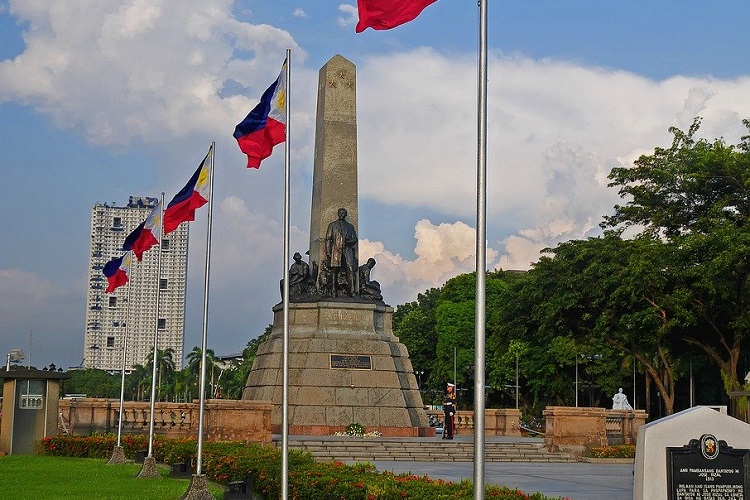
x=335 y=166
x=345 y=364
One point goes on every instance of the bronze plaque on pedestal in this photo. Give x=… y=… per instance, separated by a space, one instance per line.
x=351 y=362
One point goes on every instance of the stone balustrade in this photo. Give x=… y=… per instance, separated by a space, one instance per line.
x=224 y=420
x=497 y=422
x=574 y=429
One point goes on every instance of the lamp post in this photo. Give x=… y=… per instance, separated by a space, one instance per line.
x=576 y=385
x=587 y=357
x=517 y=386
x=419 y=374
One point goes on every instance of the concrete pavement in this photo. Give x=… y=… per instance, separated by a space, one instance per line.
x=576 y=481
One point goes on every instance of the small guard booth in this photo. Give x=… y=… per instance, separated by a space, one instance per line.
x=30 y=408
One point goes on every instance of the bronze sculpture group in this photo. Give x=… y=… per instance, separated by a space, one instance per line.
x=338 y=275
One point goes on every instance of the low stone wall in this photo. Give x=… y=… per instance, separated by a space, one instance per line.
x=224 y=420
x=575 y=429
x=497 y=422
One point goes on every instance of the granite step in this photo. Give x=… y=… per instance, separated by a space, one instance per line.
x=421 y=450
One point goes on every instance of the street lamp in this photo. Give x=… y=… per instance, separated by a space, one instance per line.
x=419 y=374
x=517 y=387
x=587 y=357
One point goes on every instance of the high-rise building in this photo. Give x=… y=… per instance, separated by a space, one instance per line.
x=134 y=304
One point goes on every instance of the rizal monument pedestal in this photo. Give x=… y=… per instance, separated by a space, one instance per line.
x=345 y=364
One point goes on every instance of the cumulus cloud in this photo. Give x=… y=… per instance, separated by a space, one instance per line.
x=140 y=69
x=350 y=17
x=442 y=252
x=299 y=13
x=555 y=132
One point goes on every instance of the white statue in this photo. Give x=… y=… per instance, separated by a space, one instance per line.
x=620 y=401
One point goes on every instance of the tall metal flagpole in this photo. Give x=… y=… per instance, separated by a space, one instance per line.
x=149 y=463
x=285 y=362
x=199 y=458
x=479 y=338
x=118 y=454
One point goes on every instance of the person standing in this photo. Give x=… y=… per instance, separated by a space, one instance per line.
x=449 y=412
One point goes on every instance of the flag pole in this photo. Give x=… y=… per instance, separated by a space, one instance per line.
x=481 y=264
x=285 y=362
x=118 y=454
x=198 y=489
x=204 y=341
x=149 y=463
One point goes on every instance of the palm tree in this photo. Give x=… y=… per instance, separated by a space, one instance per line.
x=164 y=365
x=194 y=364
x=137 y=380
x=182 y=382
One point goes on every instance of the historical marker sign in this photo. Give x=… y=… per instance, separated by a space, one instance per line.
x=351 y=362
x=708 y=469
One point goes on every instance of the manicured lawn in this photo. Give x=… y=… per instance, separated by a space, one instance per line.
x=34 y=477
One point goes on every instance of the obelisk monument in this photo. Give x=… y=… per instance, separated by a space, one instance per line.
x=345 y=364
x=335 y=166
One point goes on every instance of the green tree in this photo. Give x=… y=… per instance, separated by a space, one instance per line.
x=414 y=324
x=137 y=381
x=694 y=197
x=235 y=378
x=164 y=367
x=94 y=383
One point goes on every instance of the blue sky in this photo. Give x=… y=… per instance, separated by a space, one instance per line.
x=100 y=100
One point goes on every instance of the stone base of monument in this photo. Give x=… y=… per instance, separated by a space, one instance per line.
x=345 y=366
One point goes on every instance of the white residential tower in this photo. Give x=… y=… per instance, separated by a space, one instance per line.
x=108 y=314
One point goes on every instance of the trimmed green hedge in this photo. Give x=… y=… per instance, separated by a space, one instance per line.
x=308 y=479
x=614 y=451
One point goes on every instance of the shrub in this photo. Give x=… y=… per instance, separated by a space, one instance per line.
x=308 y=479
x=615 y=451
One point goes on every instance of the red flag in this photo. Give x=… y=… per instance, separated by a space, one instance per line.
x=190 y=198
x=387 y=14
x=265 y=126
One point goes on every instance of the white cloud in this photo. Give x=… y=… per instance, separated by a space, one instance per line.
x=443 y=251
x=299 y=13
x=555 y=131
x=351 y=15
x=140 y=69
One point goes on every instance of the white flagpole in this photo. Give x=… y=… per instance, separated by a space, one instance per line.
x=199 y=458
x=479 y=334
x=117 y=454
x=124 y=352
x=285 y=362
x=149 y=464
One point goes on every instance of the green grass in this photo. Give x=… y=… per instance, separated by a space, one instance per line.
x=34 y=477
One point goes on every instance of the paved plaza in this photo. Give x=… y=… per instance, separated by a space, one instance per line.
x=576 y=481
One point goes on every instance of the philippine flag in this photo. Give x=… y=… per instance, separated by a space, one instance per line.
x=116 y=271
x=193 y=196
x=145 y=235
x=265 y=126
